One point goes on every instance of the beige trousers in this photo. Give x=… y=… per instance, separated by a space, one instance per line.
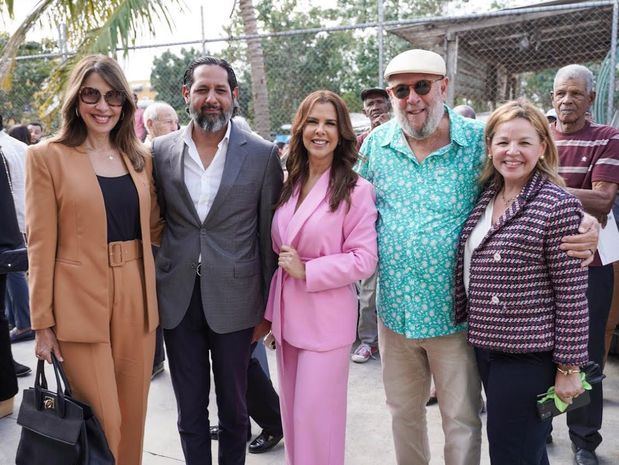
x=114 y=377
x=408 y=367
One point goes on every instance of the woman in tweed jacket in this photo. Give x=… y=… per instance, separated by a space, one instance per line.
x=523 y=297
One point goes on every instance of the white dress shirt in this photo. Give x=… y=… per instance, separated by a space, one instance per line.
x=477 y=235
x=202 y=183
x=15 y=152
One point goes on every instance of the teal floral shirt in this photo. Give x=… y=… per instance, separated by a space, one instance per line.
x=422 y=209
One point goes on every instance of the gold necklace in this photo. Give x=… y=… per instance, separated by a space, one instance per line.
x=508 y=201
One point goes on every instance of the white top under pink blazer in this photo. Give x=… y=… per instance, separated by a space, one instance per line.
x=338 y=249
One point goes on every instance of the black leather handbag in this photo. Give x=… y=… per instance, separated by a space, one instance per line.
x=58 y=429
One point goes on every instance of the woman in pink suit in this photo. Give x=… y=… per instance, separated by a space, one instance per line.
x=324 y=232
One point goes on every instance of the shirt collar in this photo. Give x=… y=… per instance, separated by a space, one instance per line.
x=458 y=126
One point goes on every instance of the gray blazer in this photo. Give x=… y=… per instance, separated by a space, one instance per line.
x=234 y=240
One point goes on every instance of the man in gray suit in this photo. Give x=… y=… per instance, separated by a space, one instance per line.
x=217 y=187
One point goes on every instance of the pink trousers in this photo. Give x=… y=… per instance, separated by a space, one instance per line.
x=313 y=389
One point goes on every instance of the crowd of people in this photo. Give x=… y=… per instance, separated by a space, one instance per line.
x=465 y=253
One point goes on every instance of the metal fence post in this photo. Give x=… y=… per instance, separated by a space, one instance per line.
x=202 y=27
x=381 y=44
x=610 y=110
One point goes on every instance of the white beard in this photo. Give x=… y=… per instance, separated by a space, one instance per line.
x=435 y=114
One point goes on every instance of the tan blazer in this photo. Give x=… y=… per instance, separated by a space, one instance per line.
x=67 y=243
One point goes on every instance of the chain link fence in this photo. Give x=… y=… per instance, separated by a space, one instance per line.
x=491 y=58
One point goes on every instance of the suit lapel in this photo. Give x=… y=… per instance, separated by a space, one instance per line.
x=83 y=170
x=177 y=165
x=308 y=206
x=530 y=189
x=235 y=157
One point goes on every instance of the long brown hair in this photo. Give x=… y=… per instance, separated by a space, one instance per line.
x=343 y=177
x=548 y=164
x=73 y=131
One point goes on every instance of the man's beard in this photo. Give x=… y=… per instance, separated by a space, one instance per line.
x=434 y=115
x=211 y=123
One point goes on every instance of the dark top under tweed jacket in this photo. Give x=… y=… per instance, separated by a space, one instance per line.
x=525 y=294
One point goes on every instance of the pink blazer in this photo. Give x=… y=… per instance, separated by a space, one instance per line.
x=338 y=249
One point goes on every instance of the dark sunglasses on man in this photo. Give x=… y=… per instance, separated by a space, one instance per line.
x=421 y=87
x=91 y=96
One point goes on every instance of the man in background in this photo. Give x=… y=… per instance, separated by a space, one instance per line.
x=159 y=119
x=36 y=132
x=589 y=163
x=376 y=107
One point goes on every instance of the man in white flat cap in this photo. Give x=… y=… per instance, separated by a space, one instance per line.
x=424 y=164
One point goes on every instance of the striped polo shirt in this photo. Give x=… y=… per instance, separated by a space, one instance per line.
x=587 y=156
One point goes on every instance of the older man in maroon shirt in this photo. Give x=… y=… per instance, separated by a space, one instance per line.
x=589 y=158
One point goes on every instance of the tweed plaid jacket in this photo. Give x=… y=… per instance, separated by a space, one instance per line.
x=525 y=294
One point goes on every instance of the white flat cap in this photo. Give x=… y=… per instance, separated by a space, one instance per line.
x=416 y=61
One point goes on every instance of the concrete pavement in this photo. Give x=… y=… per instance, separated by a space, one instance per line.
x=368 y=436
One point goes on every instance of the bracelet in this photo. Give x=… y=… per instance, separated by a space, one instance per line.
x=568 y=371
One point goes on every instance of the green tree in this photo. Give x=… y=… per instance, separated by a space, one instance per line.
x=19 y=105
x=166 y=78
x=298 y=64
x=93 y=26
x=343 y=61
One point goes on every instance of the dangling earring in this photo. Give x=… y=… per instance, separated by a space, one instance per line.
x=77 y=113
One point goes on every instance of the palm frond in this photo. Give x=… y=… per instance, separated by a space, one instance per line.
x=7 y=60
x=93 y=26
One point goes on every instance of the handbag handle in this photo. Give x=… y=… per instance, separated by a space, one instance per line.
x=40 y=383
x=59 y=371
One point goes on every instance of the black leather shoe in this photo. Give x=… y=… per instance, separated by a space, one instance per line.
x=264 y=442
x=214 y=432
x=585 y=457
x=21 y=370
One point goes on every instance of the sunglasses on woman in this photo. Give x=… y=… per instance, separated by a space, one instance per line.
x=114 y=98
x=421 y=87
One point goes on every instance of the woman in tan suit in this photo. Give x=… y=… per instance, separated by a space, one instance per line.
x=90 y=209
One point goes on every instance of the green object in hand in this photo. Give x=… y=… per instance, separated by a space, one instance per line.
x=551 y=394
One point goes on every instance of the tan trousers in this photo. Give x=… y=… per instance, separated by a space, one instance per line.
x=113 y=378
x=408 y=367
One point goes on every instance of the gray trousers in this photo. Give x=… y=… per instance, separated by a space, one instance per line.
x=367 y=328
